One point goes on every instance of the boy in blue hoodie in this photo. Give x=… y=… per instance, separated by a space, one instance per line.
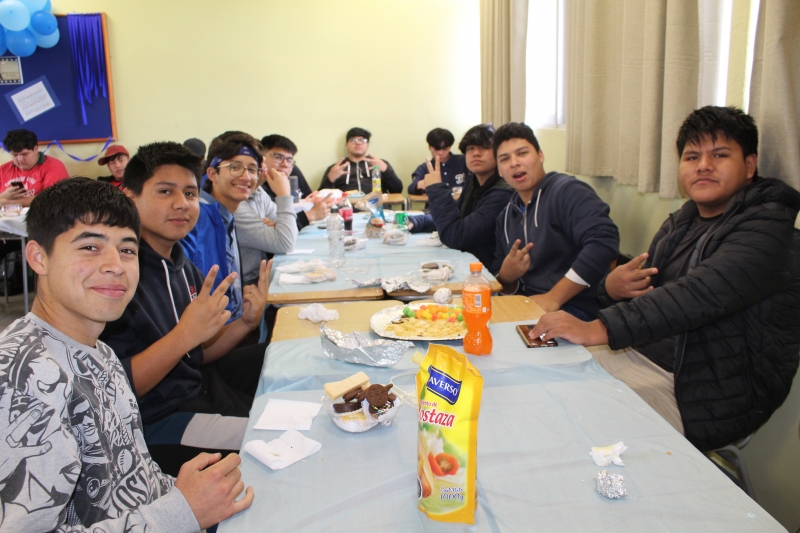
x=194 y=387
x=554 y=239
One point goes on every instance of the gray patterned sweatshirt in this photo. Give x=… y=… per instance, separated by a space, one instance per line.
x=72 y=452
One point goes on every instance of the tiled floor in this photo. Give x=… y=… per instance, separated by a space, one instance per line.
x=12 y=310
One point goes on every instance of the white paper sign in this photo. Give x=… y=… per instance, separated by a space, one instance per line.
x=33 y=101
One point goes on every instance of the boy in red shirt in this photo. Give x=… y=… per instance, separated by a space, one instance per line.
x=29 y=172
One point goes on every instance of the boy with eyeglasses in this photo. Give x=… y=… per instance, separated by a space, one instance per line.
x=353 y=173
x=232 y=174
x=279 y=152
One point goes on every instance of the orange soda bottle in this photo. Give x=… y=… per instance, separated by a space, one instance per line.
x=476 y=298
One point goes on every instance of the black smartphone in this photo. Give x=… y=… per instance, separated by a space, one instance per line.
x=524 y=331
x=17 y=184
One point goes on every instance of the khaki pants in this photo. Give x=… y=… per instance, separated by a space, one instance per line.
x=652 y=383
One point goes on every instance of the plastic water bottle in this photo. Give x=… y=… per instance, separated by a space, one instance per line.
x=335 y=225
x=376 y=179
x=476 y=297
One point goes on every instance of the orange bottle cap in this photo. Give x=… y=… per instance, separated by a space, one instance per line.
x=476 y=266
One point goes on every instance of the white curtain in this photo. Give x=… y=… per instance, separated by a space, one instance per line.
x=632 y=78
x=775 y=90
x=504 y=25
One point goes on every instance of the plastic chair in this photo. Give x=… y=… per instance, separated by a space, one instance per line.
x=730 y=460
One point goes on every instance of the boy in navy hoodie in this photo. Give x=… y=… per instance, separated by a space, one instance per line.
x=173 y=341
x=554 y=239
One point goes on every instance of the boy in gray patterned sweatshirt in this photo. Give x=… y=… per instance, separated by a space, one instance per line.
x=72 y=453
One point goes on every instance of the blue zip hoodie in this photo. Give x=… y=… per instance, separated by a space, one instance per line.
x=205 y=246
x=166 y=287
x=569 y=227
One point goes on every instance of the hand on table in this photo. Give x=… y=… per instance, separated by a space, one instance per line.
x=278 y=182
x=382 y=166
x=338 y=170
x=564 y=325
x=211 y=486
x=206 y=315
x=321 y=209
x=630 y=280
x=516 y=263
x=546 y=302
x=434 y=174
x=254 y=297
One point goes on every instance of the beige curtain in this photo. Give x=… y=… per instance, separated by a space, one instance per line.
x=504 y=25
x=632 y=77
x=775 y=90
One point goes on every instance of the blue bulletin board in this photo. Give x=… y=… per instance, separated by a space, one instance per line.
x=65 y=122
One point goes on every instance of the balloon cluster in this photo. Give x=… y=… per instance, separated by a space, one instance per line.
x=26 y=25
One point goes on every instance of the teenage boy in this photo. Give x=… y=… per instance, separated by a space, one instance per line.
x=467 y=224
x=705 y=327
x=555 y=241
x=116 y=157
x=179 y=356
x=279 y=153
x=453 y=167
x=265 y=228
x=29 y=172
x=353 y=173
x=72 y=456
x=232 y=174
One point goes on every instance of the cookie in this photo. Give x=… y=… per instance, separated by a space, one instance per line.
x=430 y=266
x=382 y=409
x=352 y=394
x=378 y=395
x=347 y=407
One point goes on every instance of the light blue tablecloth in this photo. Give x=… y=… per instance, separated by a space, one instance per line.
x=375 y=260
x=537 y=423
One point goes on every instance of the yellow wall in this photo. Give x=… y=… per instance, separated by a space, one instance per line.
x=308 y=69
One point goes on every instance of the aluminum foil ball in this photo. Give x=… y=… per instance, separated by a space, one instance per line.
x=443 y=296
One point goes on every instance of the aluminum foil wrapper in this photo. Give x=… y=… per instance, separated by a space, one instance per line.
x=396 y=283
x=610 y=485
x=443 y=296
x=355 y=348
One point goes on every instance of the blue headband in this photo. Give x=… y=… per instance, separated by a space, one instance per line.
x=244 y=150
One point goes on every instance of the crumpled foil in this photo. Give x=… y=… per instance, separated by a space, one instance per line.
x=396 y=283
x=443 y=296
x=355 y=348
x=610 y=485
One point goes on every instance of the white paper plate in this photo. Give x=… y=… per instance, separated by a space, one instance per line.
x=384 y=317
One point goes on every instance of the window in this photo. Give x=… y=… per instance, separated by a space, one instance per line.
x=544 y=69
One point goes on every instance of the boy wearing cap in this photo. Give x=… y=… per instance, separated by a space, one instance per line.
x=72 y=456
x=453 y=167
x=353 y=173
x=29 y=172
x=116 y=157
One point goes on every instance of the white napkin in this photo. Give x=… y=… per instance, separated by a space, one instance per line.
x=325 y=274
x=318 y=313
x=605 y=455
x=287 y=414
x=355 y=244
x=300 y=266
x=430 y=240
x=324 y=193
x=297 y=251
x=283 y=451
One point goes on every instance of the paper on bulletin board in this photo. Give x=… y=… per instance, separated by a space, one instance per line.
x=32 y=100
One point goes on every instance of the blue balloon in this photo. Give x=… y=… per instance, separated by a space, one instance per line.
x=47 y=41
x=34 y=5
x=43 y=23
x=2 y=41
x=21 y=43
x=47 y=6
x=14 y=15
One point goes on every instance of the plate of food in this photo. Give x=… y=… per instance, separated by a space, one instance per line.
x=420 y=322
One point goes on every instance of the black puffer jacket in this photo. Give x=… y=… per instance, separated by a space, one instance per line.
x=735 y=315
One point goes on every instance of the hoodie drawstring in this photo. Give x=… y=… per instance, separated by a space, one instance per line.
x=535 y=214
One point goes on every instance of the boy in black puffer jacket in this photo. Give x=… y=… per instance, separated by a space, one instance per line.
x=708 y=331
